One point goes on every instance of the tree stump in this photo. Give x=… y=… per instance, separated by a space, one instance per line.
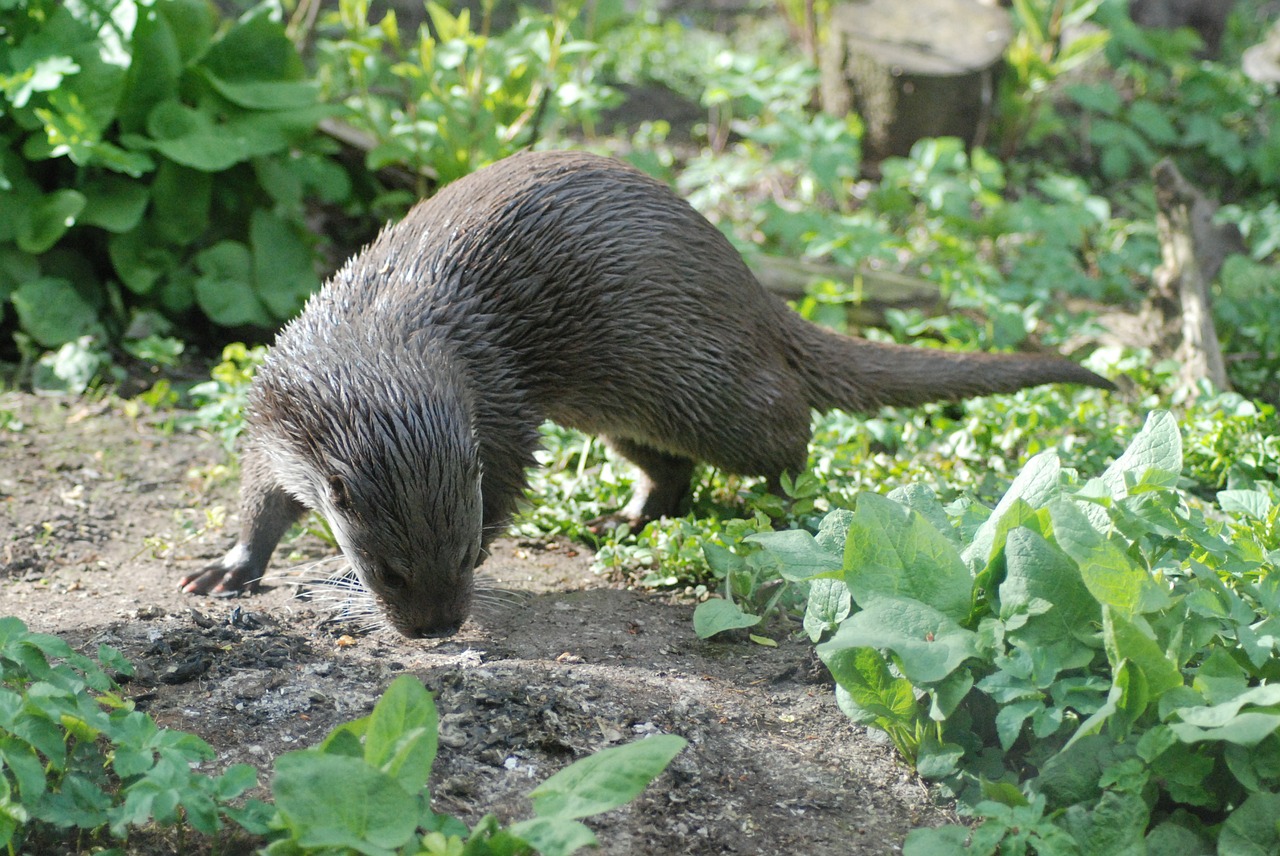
x=913 y=70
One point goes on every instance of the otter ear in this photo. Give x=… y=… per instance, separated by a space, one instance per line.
x=338 y=493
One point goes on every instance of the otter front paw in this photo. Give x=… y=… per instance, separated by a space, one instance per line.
x=231 y=575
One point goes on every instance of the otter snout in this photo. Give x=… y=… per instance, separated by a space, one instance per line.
x=432 y=630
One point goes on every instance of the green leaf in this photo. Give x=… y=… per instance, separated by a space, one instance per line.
x=48 y=220
x=894 y=551
x=864 y=674
x=140 y=260
x=1226 y=721
x=1035 y=484
x=369 y=812
x=256 y=49
x=718 y=615
x=283 y=266
x=1157 y=446
x=114 y=203
x=400 y=737
x=1251 y=830
x=1042 y=582
x=1108 y=572
x=153 y=74
x=225 y=289
x=799 y=555
x=1252 y=503
x=266 y=94
x=828 y=604
x=53 y=312
x=1129 y=641
x=950 y=840
x=929 y=645
x=553 y=836
x=936 y=760
x=183 y=197
x=605 y=780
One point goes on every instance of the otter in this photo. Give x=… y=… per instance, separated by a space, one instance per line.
x=403 y=403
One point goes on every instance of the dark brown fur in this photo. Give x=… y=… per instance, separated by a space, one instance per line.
x=403 y=403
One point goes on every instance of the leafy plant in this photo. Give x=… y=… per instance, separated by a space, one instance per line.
x=76 y=758
x=456 y=96
x=153 y=161
x=1092 y=660
x=1039 y=55
x=383 y=762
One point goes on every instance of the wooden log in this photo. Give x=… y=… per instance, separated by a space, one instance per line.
x=878 y=290
x=1192 y=250
x=913 y=70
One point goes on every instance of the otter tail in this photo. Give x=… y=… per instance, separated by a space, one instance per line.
x=849 y=373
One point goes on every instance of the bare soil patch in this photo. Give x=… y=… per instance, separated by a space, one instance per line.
x=100 y=514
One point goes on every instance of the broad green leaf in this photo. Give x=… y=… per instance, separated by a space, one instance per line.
x=1173 y=839
x=605 y=780
x=929 y=645
x=798 y=554
x=894 y=551
x=266 y=94
x=834 y=530
x=193 y=23
x=864 y=675
x=1253 y=503
x=369 y=813
x=922 y=499
x=1157 y=446
x=1251 y=829
x=192 y=138
x=718 y=615
x=182 y=199
x=283 y=265
x=1072 y=775
x=1226 y=721
x=225 y=289
x=553 y=836
x=140 y=259
x=48 y=220
x=1114 y=825
x=936 y=760
x=1010 y=717
x=947 y=694
x=1042 y=581
x=114 y=203
x=828 y=604
x=53 y=312
x=255 y=49
x=400 y=738
x=1220 y=678
x=1108 y=572
x=937 y=841
x=154 y=73
x=1129 y=641
x=1035 y=484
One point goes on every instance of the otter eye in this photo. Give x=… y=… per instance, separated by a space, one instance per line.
x=338 y=493
x=392 y=579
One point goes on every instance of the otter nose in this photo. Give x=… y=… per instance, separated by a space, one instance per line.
x=434 y=631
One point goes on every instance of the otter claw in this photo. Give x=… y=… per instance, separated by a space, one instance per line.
x=227 y=577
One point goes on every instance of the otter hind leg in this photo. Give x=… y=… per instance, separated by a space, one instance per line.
x=660 y=490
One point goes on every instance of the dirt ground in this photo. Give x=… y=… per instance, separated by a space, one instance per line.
x=101 y=513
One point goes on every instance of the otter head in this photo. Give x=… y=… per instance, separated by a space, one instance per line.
x=385 y=449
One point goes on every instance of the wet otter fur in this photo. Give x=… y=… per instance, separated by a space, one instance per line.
x=403 y=403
